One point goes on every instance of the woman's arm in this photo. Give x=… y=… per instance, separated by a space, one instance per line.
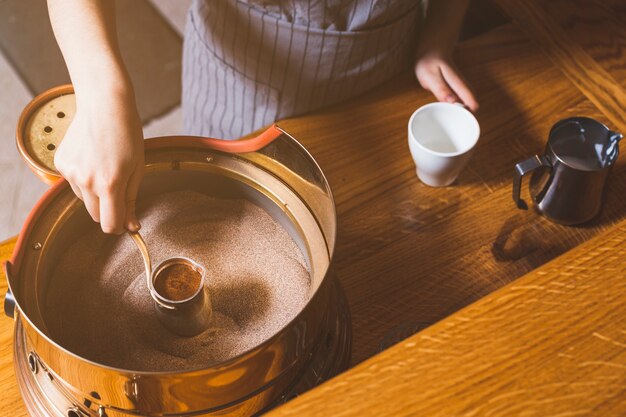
x=101 y=155
x=434 y=69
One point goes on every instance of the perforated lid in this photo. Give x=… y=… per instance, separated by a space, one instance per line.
x=41 y=129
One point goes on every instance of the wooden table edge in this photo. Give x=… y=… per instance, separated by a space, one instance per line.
x=400 y=355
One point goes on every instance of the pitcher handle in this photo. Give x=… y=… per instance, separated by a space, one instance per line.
x=522 y=169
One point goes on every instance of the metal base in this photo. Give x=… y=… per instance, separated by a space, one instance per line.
x=333 y=353
x=45 y=397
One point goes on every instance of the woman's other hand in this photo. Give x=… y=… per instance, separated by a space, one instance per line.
x=437 y=74
x=433 y=66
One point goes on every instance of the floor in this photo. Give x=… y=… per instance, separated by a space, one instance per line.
x=18 y=185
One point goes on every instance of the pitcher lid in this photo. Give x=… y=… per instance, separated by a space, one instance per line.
x=584 y=143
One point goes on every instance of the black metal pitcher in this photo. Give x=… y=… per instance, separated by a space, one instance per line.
x=568 y=179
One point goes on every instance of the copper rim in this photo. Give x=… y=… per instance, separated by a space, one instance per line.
x=47 y=175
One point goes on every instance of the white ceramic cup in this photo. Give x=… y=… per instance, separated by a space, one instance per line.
x=441 y=139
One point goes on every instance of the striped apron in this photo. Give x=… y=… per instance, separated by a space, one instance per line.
x=248 y=63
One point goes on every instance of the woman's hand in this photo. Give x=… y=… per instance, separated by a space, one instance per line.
x=433 y=67
x=102 y=158
x=101 y=155
x=437 y=74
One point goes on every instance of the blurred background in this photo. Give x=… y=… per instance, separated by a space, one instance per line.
x=150 y=33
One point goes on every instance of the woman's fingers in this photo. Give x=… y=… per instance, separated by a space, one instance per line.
x=436 y=74
x=113 y=209
x=432 y=80
x=459 y=85
x=76 y=190
x=130 y=220
x=92 y=204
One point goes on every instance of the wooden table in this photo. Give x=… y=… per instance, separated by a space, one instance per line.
x=552 y=342
x=409 y=256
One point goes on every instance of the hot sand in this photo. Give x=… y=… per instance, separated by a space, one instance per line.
x=98 y=305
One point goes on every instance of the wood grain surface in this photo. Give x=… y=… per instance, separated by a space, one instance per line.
x=567 y=52
x=553 y=343
x=409 y=255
